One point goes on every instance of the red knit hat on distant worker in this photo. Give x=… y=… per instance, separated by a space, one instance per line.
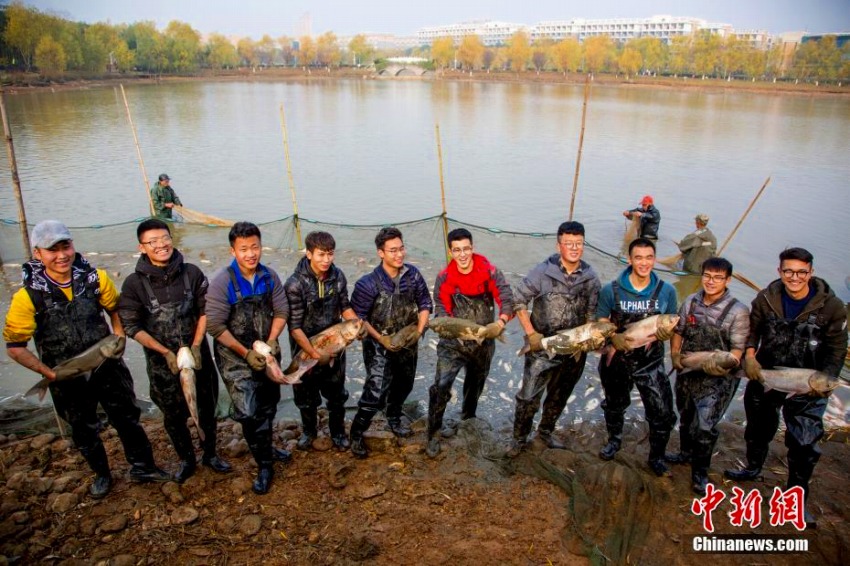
x=646 y=200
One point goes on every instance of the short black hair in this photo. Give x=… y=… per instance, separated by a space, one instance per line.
x=641 y=243
x=458 y=234
x=151 y=224
x=386 y=234
x=572 y=228
x=717 y=264
x=243 y=230
x=800 y=254
x=322 y=240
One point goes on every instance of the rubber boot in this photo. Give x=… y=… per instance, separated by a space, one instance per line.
x=396 y=424
x=755 y=460
x=657 y=445
x=680 y=457
x=336 y=424
x=186 y=468
x=545 y=428
x=614 y=423
x=523 y=419
x=699 y=472
x=800 y=471
x=99 y=463
x=263 y=483
x=309 y=424
x=359 y=425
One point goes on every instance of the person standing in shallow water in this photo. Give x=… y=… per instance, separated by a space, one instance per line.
x=164 y=198
x=61 y=305
x=389 y=298
x=317 y=293
x=650 y=218
x=467 y=288
x=563 y=292
x=162 y=308
x=697 y=246
x=246 y=302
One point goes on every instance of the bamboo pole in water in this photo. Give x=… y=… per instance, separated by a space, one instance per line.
x=743 y=217
x=138 y=151
x=289 y=176
x=16 y=180
x=443 y=193
x=580 y=144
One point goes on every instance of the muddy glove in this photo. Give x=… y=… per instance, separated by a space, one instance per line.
x=275 y=348
x=387 y=343
x=621 y=342
x=493 y=330
x=663 y=335
x=676 y=358
x=535 y=342
x=196 y=354
x=711 y=368
x=256 y=361
x=752 y=368
x=171 y=360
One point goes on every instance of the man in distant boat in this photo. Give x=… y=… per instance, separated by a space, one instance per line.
x=650 y=218
x=162 y=308
x=698 y=246
x=61 y=306
x=164 y=198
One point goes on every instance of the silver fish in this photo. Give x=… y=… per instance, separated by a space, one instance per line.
x=575 y=341
x=331 y=340
x=451 y=327
x=798 y=381
x=696 y=360
x=186 y=363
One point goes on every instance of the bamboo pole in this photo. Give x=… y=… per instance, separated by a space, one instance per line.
x=138 y=151
x=443 y=193
x=580 y=144
x=16 y=180
x=743 y=217
x=289 y=177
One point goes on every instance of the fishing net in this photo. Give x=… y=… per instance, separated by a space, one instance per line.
x=195 y=217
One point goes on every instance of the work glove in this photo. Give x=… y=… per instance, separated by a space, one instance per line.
x=493 y=330
x=387 y=343
x=275 y=348
x=711 y=368
x=196 y=354
x=256 y=361
x=676 y=358
x=663 y=335
x=621 y=342
x=171 y=360
x=752 y=368
x=323 y=359
x=535 y=342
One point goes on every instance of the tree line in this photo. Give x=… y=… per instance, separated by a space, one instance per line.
x=32 y=39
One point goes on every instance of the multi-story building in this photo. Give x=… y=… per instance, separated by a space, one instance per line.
x=491 y=33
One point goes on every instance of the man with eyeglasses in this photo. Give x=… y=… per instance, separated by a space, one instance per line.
x=164 y=198
x=468 y=287
x=797 y=322
x=389 y=298
x=709 y=320
x=61 y=306
x=562 y=293
x=162 y=307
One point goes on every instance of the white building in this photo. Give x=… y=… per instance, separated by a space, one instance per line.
x=491 y=33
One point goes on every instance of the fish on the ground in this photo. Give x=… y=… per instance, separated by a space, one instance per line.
x=403 y=336
x=186 y=363
x=331 y=341
x=695 y=360
x=576 y=341
x=798 y=381
x=273 y=370
x=111 y=347
x=450 y=327
x=641 y=333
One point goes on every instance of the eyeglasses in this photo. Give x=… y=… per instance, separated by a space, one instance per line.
x=395 y=251
x=715 y=278
x=572 y=245
x=462 y=251
x=154 y=242
x=790 y=273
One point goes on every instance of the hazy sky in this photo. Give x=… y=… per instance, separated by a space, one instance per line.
x=402 y=17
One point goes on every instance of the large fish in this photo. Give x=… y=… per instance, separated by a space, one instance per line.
x=695 y=360
x=403 y=336
x=186 y=363
x=451 y=327
x=575 y=341
x=111 y=347
x=331 y=341
x=273 y=370
x=798 y=381
x=642 y=332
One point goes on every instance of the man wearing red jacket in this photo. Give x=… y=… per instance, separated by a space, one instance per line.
x=468 y=287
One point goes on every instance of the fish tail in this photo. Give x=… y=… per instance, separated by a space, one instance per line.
x=524 y=350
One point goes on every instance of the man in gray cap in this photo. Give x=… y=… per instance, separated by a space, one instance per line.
x=164 y=198
x=698 y=246
x=61 y=306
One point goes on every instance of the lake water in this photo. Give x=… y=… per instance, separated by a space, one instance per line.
x=365 y=152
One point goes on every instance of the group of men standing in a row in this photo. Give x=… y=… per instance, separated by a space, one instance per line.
x=168 y=303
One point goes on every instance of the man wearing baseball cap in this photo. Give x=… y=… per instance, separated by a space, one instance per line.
x=698 y=246
x=164 y=198
x=61 y=306
x=650 y=218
